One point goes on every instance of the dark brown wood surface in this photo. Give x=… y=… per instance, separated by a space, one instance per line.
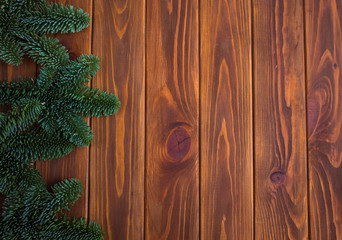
x=226 y=120
x=324 y=109
x=218 y=115
x=279 y=120
x=26 y=69
x=76 y=164
x=117 y=152
x=172 y=95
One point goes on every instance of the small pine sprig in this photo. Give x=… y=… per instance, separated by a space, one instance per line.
x=24 y=24
x=68 y=229
x=17 y=120
x=45 y=50
x=38 y=145
x=10 y=50
x=37 y=213
x=66 y=99
x=16 y=175
x=54 y=18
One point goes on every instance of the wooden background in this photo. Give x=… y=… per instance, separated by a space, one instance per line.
x=230 y=124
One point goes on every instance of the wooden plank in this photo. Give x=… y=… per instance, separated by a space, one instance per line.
x=226 y=120
x=324 y=107
x=26 y=69
x=172 y=179
x=279 y=120
x=76 y=164
x=117 y=152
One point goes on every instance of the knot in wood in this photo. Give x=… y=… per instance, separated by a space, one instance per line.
x=178 y=144
x=277 y=177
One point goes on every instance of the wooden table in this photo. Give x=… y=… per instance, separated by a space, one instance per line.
x=230 y=122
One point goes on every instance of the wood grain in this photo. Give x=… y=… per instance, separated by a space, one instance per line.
x=226 y=120
x=117 y=152
x=279 y=120
x=172 y=95
x=324 y=107
x=26 y=69
x=76 y=164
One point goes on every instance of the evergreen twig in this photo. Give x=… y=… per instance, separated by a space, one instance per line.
x=45 y=120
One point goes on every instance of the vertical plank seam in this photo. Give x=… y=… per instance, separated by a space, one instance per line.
x=306 y=123
x=252 y=108
x=90 y=119
x=145 y=123
x=199 y=129
x=253 y=117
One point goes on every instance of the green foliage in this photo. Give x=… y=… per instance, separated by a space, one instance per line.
x=45 y=120
x=53 y=18
x=23 y=23
x=34 y=146
x=17 y=120
x=16 y=175
x=63 y=94
x=31 y=214
x=45 y=51
x=10 y=49
x=74 y=229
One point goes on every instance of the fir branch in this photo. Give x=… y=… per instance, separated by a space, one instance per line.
x=44 y=120
x=46 y=78
x=76 y=73
x=75 y=129
x=93 y=102
x=18 y=120
x=38 y=146
x=15 y=175
x=10 y=50
x=19 y=6
x=54 y=18
x=65 y=194
x=17 y=92
x=76 y=229
x=31 y=214
x=46 y=51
